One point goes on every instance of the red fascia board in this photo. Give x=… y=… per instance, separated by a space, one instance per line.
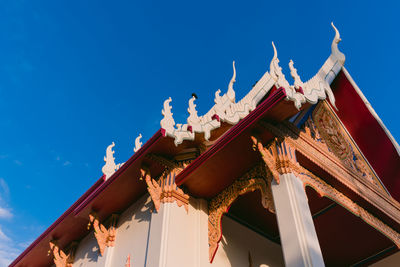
x=58 y=221
x=91 y=194
x=245 y=123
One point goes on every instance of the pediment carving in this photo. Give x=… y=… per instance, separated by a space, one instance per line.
x=326 y=127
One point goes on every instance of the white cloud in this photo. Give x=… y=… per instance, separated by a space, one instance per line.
x=67 y=163
x=4 y=188
x=8 y=252
x=58 y=158
x=5 y=213
x=3 y=236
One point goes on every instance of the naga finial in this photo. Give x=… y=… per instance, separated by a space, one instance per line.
x=110 y=167
x=272 y=64
x=167 y=122
x=231 y=92
x=276 y=70
x=193 y=117
x=335 y=50
x=138 y=144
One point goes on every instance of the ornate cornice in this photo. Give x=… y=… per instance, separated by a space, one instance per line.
x=60 y=258
x=319 y=153
x=256 y=179
x=325 y=190
x=105 y=237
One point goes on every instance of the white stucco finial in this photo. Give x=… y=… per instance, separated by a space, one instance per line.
x=138 y=144
x=167 y=122
x=271 y=65
x=335 y=50
x=293 y=72
x=231 y=92
x=193 y=118
x=276 y=70
x=110 y=167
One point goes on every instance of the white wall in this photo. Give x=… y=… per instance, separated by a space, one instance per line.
x=132 y=234
x=87 y=253
x=182 y=241
x=131 y=238
x=236 y=243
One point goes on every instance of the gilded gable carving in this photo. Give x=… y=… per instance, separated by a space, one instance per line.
x=339 y=142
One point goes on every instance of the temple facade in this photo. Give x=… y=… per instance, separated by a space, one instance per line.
x=302 y=174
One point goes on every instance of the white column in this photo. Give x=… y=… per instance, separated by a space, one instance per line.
x=178 y=238
x=298 y=237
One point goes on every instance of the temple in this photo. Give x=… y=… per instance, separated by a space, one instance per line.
x=302 y=174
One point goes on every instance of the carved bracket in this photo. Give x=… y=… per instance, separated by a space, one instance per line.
x=255 y=179
x=279 y=156
x=105 y=237
x=165 y=190
x=60 y=258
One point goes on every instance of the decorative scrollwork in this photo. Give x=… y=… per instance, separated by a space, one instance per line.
x=338 y=141
x=255 y=179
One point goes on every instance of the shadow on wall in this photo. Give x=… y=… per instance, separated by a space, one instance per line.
x=142 y=215
x=241 y=246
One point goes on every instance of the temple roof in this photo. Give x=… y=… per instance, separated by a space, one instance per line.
x=221 y=134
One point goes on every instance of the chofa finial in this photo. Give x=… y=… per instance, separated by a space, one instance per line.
x=335 y=50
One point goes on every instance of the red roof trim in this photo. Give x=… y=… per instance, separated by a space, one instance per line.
x=90 y=194
x=132 y=159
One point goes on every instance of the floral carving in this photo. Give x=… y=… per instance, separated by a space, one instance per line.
x=105 y=237
x=60 y=258
x=255 y=179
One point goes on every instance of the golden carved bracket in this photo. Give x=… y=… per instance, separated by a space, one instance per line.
x=279 y=156
x=165 y=190
x=255 y=179
x=60 y=258
x=105 y=237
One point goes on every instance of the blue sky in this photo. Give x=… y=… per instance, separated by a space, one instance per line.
x=77 y=75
